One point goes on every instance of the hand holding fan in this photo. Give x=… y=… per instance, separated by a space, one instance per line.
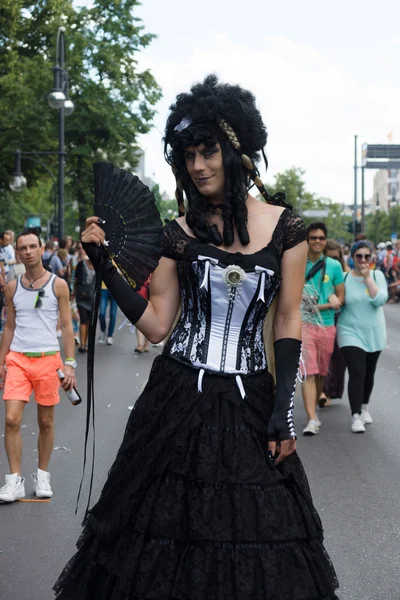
x=132 y=223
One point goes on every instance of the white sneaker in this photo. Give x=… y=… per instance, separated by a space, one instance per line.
x=109 y=341
x=357 y=425
x=14 y=488
x=365 y=415
x=41 y=484
x=318 y=422
x=312 y=428
x=102 y=337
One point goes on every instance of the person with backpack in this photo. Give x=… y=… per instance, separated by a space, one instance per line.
x=324 y=285
x=85 y=282
x=361 y=331
x=50 y=260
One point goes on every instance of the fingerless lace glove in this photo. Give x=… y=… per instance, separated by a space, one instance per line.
x=287 y=359
x=129 y=301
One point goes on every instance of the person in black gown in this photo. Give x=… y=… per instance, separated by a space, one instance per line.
x=207 y=498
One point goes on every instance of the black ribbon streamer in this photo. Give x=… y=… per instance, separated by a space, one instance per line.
x=90 y=388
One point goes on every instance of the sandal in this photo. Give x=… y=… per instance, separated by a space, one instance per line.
x=139 y=349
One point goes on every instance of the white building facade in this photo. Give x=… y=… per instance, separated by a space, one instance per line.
x=386 y=188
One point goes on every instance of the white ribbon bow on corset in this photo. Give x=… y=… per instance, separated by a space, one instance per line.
x=263 y=271
x=208 y=260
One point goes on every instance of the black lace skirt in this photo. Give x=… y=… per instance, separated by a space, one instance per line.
x=193 y=509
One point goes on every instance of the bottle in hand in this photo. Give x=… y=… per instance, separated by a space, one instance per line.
x=73 y=393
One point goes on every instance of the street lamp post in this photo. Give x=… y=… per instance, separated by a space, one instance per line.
x=58 y=99
x=355 y=187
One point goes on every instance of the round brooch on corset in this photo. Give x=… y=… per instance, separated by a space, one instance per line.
x=234 y=277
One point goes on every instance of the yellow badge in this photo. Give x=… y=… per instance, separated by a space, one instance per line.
x=367 y=291
x=326 y=278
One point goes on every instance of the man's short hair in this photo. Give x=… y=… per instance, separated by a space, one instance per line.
x=49 y=245
x=317 y=225
x=30 y=231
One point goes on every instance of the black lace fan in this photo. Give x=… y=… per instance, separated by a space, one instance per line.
x=135 y=242
x=132 y=223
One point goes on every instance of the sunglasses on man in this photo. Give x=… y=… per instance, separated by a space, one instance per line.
x=39 y=301
x=317 y=238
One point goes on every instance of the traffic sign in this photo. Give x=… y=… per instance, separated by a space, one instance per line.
x=319 y=213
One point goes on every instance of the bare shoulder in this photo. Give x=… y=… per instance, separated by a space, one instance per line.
x=262 y=210
x=10 y=288
x=182 y=223
x=61 y=288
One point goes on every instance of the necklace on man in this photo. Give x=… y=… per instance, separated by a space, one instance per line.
x=31 y=282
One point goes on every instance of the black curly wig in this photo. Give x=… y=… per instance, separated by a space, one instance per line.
x=206 y=104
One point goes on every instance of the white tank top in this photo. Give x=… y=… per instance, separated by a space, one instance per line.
x=35 y=329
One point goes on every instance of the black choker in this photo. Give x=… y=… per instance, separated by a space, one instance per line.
x=216 y=209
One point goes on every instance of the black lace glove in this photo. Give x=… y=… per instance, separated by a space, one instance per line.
x=287 y=358
x=129 y=301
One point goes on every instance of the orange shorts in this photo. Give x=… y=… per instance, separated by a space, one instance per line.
x=39 y=375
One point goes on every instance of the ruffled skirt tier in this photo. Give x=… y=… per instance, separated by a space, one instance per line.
x=194 y=509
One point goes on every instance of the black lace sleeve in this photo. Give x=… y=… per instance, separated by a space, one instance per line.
x=175 y=240
x=294 y=231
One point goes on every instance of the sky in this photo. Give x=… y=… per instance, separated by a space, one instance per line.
x=321 y=73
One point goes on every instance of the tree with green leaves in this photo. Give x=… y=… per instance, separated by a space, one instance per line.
x=114 y=100
x=380 y=225
x=291 y=181
x=167 y=208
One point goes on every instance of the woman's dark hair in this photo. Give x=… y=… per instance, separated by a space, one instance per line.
x=361 y=244
x=334 y=246
x=194 y=119
x=317 y=225
x=29 y=231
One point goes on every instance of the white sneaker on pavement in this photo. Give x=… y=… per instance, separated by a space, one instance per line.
x=357 y=425
x=312 y=428
x=13 y=489
x=102 y=337
x=109 y=341
x=41 y=484
x=365 y=415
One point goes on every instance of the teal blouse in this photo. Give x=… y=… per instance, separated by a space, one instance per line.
x=362 y=320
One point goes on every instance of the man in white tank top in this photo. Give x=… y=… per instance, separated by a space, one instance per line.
x=30 y=358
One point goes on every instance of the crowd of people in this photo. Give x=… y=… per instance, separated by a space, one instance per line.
x=346 y=329
x=66 y=259
x=207 y=481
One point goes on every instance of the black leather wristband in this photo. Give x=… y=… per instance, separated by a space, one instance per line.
x=287 y=358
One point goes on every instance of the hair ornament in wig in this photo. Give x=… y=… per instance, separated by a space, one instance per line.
x=361 y=244
x=186 y=121
x=218 y=113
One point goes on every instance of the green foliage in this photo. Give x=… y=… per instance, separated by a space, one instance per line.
x=114 y=100
x=168 y=209
x=380 y=224
x=291 y=181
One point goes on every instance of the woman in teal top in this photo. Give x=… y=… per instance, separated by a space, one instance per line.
x=361 y=330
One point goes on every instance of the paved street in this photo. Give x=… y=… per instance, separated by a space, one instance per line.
x=354 y=478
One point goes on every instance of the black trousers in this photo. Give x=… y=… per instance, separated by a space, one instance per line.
x=362 y=367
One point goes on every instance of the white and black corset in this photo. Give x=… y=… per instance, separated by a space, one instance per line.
x=225 y=298
x=221 y=325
